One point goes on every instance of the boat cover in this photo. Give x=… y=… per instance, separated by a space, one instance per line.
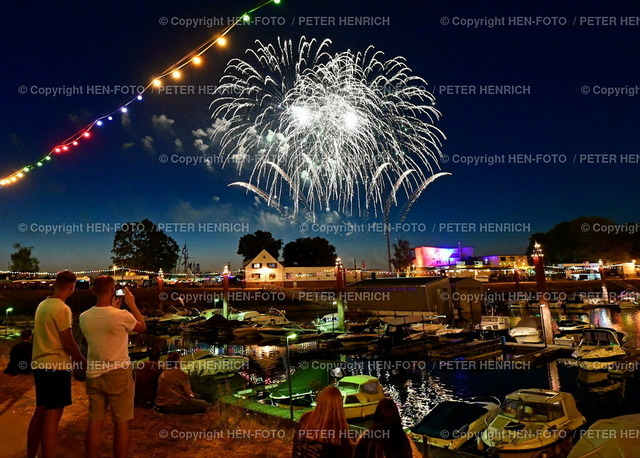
x=303 y=381
x=612 y=437
x=448 y=416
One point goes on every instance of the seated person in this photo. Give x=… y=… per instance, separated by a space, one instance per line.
x=174 y=391
x=146 y=378
x=20 y=355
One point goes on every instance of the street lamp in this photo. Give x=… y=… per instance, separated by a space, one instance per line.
x=6 y=321
x=288 y=361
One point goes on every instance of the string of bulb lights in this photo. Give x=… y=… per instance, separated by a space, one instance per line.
x=174 y=71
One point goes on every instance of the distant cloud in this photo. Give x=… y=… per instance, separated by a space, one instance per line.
x=178 y=144
x=271 y=221
x=125 y=120
x=127 y=145
x=221 y=124
x=147 y=143
x=162 y=122
x=198 y=133
x=200 y=145
x=215 y=199
x=80 y=119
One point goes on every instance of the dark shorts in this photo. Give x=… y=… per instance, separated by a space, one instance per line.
x=53 y=388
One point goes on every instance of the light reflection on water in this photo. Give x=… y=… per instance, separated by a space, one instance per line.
x=417 y=392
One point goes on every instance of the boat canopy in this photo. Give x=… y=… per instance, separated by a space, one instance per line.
x=540 y=396
x=600 y=336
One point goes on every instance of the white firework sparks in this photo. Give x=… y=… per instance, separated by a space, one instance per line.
x=344 y=131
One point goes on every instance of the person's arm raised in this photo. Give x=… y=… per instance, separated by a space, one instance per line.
x=130 y=300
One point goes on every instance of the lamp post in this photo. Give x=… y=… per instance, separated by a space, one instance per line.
x=545 y=313
x=288 y=361
x=225 y=291
x=6 y=321
x=340 y=292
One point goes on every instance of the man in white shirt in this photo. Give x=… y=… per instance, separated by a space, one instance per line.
x=53 y=350
x=109 y=375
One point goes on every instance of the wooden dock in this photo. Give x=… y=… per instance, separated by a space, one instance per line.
x=470 y=351
x=263 y=408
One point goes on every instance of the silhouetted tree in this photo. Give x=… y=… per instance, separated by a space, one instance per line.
x=251 y=244
x=309 y=251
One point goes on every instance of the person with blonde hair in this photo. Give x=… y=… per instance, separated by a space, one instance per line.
x=54 y=351
x=386 y=439
x=324 y=432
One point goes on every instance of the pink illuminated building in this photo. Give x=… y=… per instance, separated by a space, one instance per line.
x=431 y=256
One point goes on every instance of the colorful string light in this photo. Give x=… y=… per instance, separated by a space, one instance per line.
x=194 y=57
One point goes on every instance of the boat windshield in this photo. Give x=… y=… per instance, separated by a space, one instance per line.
x=598 y=338
x=532 y=411
x=348 y=386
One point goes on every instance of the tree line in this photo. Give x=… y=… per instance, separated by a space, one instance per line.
x=145 y=247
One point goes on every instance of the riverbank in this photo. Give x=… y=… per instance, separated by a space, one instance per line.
x=223 y=430
x=24 y=302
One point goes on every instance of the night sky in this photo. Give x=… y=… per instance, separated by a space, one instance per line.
x=560 y=66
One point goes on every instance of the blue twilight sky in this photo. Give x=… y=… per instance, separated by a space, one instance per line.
x=561 y=63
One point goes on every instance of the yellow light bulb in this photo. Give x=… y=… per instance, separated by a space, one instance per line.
x=222 y=41
x=197 y=60
x=176 y=74
x=157 y=82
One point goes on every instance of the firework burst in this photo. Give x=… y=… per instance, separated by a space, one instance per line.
x=321 y=131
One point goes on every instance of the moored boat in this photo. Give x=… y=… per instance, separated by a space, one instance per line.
x=533 y=423
x=451 y=423
x=612 y=437
x=429 y=324
x=361 y=394
x=526 y=331
x=570 y=326
x=599 y=348
x=273 y=317
x=628 y=304
x=494 y=323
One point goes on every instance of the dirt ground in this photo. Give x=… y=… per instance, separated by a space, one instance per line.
x=222 y=432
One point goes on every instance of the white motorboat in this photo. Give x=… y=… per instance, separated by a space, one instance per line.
x=246 y=332
x=526 y=334
x=452 y=423
x=273 y=317
x=246 y=315
x=526 y=331
x=494 y=323
x=429 y=324
x=449 y=330
x=361 y=335
x=570 y=326
x=599 y=348
x=327 y=323
x=533 y=423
